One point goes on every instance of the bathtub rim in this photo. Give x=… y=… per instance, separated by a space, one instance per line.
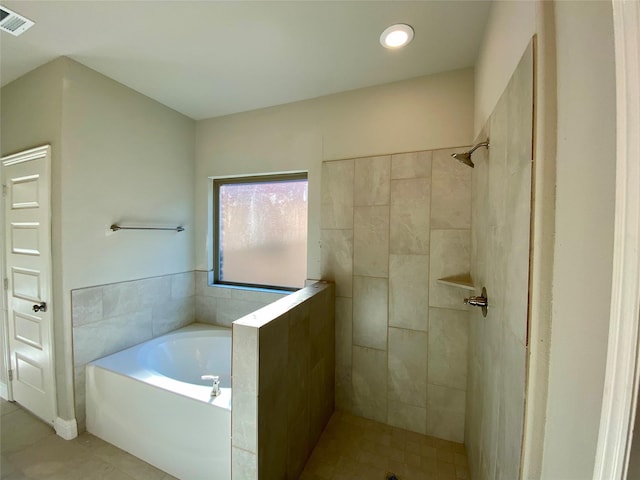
x=121 y=362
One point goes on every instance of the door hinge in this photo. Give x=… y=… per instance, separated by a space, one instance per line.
x=11 y=375
x=4 y=190
x=6 y=284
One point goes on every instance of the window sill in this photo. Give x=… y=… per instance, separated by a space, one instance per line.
x=277 y=291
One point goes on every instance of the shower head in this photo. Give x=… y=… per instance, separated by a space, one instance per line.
x=465 y=157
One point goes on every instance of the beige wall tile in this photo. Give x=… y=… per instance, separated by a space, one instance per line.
x=497 y=180
x=337 y=194
x=408 y=417
x=298 y=440
x=245 y=359
x=273 y=351
x=407 y=376
x=511 y=414
x=337 y=259
x=451 y=191
x=244 y=427
x=408 y=291
x=445 y=413
x=409 y=216
x=411 y=165
x=448 y=344
x=299 y=354
x=202 y=287
x=86 y=305
x=272 y=431
x=228 y=311
x=344 y=389
x=520 y=117
x=205 y=309
x=370 y=312
x=496 y=269
x=371 y=185
x=244 y=465
x=249 y=295
x=370 y=383
x=183 y=285
x=127 y=297
x=517 y=251
x=96 y=340
x=371 y=241
x=480 y=219
x=322 y=327
x=488 y=439
x=344 y=332
x=172 y=314
x=321 y=398
x=500 y=226
x=449 y=255
x=473 y=410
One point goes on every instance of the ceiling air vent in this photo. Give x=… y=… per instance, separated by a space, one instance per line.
x=13 y=23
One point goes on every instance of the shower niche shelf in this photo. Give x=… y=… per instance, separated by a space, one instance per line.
x=462 y=281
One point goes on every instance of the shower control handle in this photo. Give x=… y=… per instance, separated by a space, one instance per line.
x=476 y=301
x=479 y=301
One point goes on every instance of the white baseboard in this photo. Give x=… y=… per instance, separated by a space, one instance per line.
x=67 y=429
x=4 y=391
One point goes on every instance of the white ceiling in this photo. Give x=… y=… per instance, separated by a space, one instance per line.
x=212 y=58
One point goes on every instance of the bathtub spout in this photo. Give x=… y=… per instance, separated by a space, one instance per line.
x=215 y=391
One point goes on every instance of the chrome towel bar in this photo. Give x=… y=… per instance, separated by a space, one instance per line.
x=116 y=227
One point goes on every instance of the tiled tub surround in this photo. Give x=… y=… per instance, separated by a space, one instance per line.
x=110 y=318
x=283 y=383
x=391 y=226
x=223 y=305
x=500 y=245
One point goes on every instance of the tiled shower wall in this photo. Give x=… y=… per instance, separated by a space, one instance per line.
x=391 y=226
x=500 y=261
x=110 y=318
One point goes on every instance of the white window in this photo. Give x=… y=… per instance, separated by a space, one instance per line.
x=260 y=231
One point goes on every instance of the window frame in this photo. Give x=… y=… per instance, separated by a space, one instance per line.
x=214 y=228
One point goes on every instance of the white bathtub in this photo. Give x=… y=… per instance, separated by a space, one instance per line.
x=149 y=400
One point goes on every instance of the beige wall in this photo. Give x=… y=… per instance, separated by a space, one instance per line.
x=127 y=159
x=572 y=217
x=118 y=156
x=584 y=236
x=509 y=29
x=420 y=114
x=31 y=116
x=634 y=454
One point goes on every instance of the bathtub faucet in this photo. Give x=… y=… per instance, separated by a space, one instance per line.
x=216 y=384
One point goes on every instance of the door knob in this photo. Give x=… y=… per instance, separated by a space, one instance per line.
x=40 y=308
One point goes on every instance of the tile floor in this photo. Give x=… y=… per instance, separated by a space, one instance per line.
x=356 y=448
x=30 y=449
x=350 y=448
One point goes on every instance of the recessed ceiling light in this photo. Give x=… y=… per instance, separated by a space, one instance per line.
x=396 y=36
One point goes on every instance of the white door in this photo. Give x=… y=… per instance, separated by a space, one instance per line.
x=26 y=190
